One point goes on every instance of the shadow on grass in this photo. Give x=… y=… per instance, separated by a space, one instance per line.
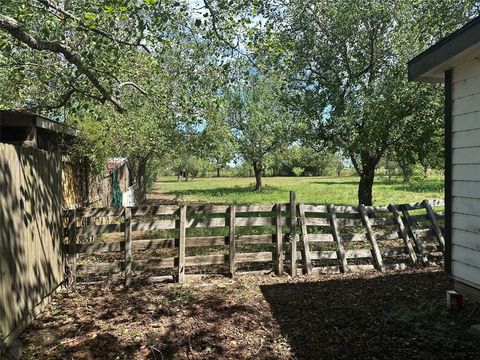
x=421 y=186
x=222 y=192
x=401 y=316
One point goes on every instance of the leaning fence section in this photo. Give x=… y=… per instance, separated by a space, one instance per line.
x=173 y=241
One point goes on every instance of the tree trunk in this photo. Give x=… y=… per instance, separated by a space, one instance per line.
x=218 y=172
x=257 y=168
x=141 y=181
x=425 y=170
x=365 y=186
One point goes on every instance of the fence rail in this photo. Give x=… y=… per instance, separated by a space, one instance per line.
x=303 y=238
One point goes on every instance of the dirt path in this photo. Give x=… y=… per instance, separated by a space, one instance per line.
x=397 y=315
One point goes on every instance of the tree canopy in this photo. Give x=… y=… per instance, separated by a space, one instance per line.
x=218 y=80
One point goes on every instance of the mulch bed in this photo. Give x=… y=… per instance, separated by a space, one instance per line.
x=396 y=315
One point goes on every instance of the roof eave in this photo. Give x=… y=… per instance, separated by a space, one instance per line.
x=431 y=63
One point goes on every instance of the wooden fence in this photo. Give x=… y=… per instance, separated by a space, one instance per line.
x=30 y=234
x=314 y=238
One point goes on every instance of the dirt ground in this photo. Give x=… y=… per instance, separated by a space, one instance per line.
x=396 y=315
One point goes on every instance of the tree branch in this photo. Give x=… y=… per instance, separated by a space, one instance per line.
x=68 y=15
x=63 y=101
x=224 y=40
x=132 y=84
x=14 y=28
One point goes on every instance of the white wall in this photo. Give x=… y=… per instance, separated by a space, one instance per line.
x=466 y=173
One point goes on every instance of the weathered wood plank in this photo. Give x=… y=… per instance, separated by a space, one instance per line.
x=315 y=208
x=100 y=268
x=153 y=225
x=337 y=238
x=72 y=239
x=206 y=209
x=307 y=263
x=158 y=210
x=255 y=257
x=376 y=209
x=154 y=264
x=316 y=222
x=329 y=237
x=201 y=223
x=403 y=233
x=411 y=227
x=98 y=212
x=128 y=258
x=254 y=221
x=411 y=206
x=320 y=237
x=377 y=255
x=435 y=227
x=260 y=208
x=346 y=210
x=293 y=235
x=256 y=239
x=200 y=260
x=279 y=240
x=231 y=239
x=181 y=244
x=323 y=255
x=100 y=229
x=358 y=254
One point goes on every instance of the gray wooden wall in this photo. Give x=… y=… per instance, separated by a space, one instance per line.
x=30 y=234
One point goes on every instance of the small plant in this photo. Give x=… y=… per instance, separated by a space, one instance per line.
x=298 y=171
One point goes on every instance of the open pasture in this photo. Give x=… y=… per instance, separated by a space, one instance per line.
x=310 y=190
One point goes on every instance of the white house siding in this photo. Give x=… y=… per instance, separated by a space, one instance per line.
x=466 y=173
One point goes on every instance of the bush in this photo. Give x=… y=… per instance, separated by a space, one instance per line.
x=298 y=171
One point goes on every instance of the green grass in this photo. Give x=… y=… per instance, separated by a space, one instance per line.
x=309 y=190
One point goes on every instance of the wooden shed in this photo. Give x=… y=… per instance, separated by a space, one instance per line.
x=455 y=60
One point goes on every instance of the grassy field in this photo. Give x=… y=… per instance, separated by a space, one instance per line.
x=312 y=190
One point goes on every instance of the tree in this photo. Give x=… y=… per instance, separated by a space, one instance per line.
x=347 y=61
x=259 y=122
x=218 y=144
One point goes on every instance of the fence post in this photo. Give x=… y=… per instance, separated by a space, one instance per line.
x=307 y=262
x=72 y=247
x=181 y=244
x=411 y=227
x=279 y=238
x=403 y=233
x=377 y=255
x=293 y=235
x=231 y=240
x=128 y=246
x=341 y=256
x=436 y=228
